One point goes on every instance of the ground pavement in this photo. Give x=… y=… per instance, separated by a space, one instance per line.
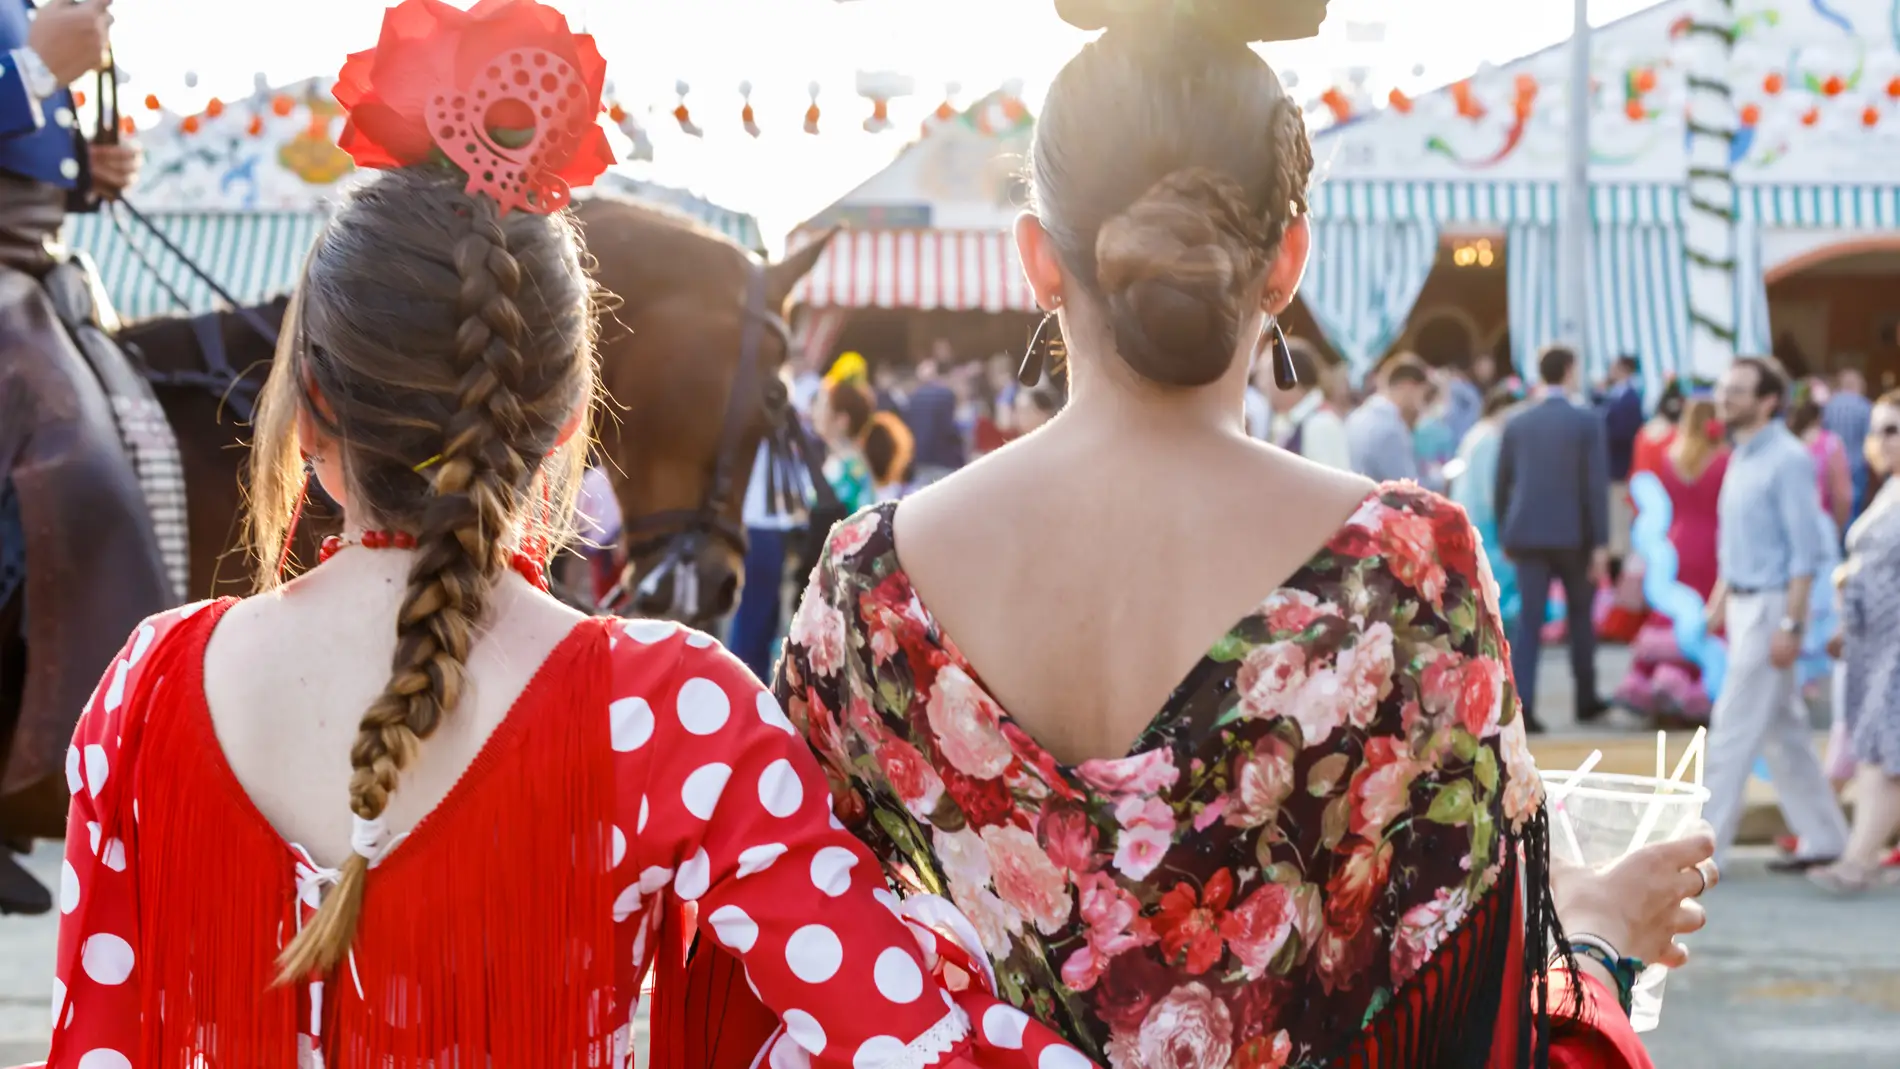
x=1782 y=976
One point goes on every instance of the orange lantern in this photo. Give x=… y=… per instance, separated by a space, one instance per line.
x=281 y=105
x=1870 y=118
x=1893 y=89
x=1773 y=84
x=151 y=101
x=1634 y=109
x=1834 y=86
x=617 y=113
x=1811 y=117
x=190 y=125
x=257 y=125
x=1337 y=103
x=214 y=108
x=79 y=98
x=1751 y=114
x=1400 y=102
x=1646 y=80
x=1526 y=85
x=1468 y=105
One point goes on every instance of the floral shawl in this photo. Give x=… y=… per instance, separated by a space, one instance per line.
x=1297 y=864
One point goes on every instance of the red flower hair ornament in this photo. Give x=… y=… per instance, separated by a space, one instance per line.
x=504 y=91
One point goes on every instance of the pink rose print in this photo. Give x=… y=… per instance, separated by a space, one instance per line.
x=1026 y=879
x=1265 y=1052
x=1382 y=788
x=852 y=536
x=1068 y=836
x=916 y=784
x=1147 y=773
x=1424 y=928
x=1523 y=787
x=1114 y=926
x=1470 y=691
x=1189 y=1029
x=1258 y=928
x=1323 y=705
x=1261 y=783
x=1366 y=672
x=966 y=864
x=967 y=724
x=1409 y=546
x=1147 y=831
x=1270 y=677
x=819 y=628
x=1294 y=610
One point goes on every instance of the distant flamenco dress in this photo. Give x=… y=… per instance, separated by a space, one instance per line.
x=1311 y=857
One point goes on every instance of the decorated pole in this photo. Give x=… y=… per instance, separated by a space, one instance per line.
x=1573 y=273
x=1709 y=227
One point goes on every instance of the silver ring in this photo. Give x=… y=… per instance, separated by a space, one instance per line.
x=1704 y=874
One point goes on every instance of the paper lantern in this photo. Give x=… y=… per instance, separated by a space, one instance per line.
x=618 y=114
x=127 y=126
x=190 y=125
x=1400 y=102
x=1337 y=103
x=1870 y=117
x=681 y=115
x=151 y=102
x=256 y=129
x=1811 y=117
x=1751 y=114
x=1468 y=105
x=1893 y=89
x=1834 y=86
x=1645 y=80
x=1773 y=84
x=281 y=105
x=1634 y=109
x=811 y=113
x=748 y=119
x=214 y=108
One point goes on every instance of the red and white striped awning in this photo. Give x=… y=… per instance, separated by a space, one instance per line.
x=952 y=270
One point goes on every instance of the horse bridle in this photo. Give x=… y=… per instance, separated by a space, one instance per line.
x=794 y=471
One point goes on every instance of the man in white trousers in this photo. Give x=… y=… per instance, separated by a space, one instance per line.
x=1771 y=550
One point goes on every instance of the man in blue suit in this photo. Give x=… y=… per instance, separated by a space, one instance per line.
x=70 y=502
x=1553 y=520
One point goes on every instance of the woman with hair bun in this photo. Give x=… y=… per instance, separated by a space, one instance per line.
x=1216 y=749
x=409 y=811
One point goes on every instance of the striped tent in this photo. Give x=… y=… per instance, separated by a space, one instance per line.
x=1775 y=207
x=922 y=269
x=1375 y=242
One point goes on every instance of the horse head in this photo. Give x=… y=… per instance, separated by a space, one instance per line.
x=670 y=357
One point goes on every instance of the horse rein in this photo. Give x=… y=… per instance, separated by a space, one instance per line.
x=680 y=534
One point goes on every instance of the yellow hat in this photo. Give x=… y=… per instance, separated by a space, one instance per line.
x=849 y=367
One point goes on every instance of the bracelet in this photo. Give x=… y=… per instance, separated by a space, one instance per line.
x=1621 y=969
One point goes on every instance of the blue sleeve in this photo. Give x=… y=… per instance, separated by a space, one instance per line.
x=1396 y=454
x=1797 y=507
x=20 y=111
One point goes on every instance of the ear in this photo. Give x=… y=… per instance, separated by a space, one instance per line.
x=1288 y=267
x=782 y=276
x=1041 y=265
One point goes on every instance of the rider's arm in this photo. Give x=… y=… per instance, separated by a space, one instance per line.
x=24 y=82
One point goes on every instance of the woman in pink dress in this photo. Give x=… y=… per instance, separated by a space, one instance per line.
x=1660 y=682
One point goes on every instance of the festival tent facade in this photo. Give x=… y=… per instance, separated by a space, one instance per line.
x=244 y=189
x=1436 y=219
x=927 y=251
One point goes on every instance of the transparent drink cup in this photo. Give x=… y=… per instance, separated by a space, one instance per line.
x=1599 y=817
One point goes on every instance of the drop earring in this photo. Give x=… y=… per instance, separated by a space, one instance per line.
x=1284 y=377
x=1043 y=356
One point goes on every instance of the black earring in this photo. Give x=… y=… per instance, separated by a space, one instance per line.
x=1284 y=377
x=1043 y=355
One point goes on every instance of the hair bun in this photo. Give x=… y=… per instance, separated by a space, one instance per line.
x=1238 y=20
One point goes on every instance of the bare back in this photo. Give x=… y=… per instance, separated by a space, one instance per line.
x=288 y=676
x=1084 y=573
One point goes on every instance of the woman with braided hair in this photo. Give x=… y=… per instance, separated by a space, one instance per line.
x=1217 y=748
x=539 y=804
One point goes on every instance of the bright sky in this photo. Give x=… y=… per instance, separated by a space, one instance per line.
x=782 y=46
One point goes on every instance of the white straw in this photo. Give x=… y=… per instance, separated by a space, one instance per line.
x=1651 y=815
x=1560 y=791
x=1662 y=752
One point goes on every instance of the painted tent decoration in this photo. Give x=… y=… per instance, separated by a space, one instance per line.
x=1816 y=115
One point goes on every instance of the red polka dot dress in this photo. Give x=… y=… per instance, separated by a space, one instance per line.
x=643 y=785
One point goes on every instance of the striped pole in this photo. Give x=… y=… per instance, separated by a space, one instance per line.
x=1709 y=229
x=1573 y=300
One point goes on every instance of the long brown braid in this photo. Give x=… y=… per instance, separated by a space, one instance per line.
x=445 y=348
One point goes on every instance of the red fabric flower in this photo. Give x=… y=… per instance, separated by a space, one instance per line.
x=1191 y=923
x=984 y=802
x=428 y=48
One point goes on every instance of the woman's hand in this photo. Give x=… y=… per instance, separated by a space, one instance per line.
x=1836 y=645
x=1643 y=902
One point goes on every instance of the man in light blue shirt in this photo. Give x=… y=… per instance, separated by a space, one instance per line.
x=1771 y=546
x=1379 y=431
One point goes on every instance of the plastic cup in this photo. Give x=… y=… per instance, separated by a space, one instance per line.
x=1598 y=818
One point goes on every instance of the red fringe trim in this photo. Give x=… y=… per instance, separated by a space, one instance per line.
x=486 y=938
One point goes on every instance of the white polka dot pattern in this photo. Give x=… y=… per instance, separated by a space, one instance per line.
x=831 y=870
x=68 y=887
x=813 y=953
x=619 y=847
x=73 y=783
x=773 y=715
x=648 y=632
x=780 y=792
x=97 y=768
x=759 y=858
x=787 y=1054
x=703 y=706
x=897 y=976
x=734 y=928
x=695 y=876
x=703 y=788
x=804 y=1030
x=1061 y=1057
x=632 y=723
x=1003 y=1026
x=878 y=1052
x=104 y=1058
x=107 y=959
x=59 y=1000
